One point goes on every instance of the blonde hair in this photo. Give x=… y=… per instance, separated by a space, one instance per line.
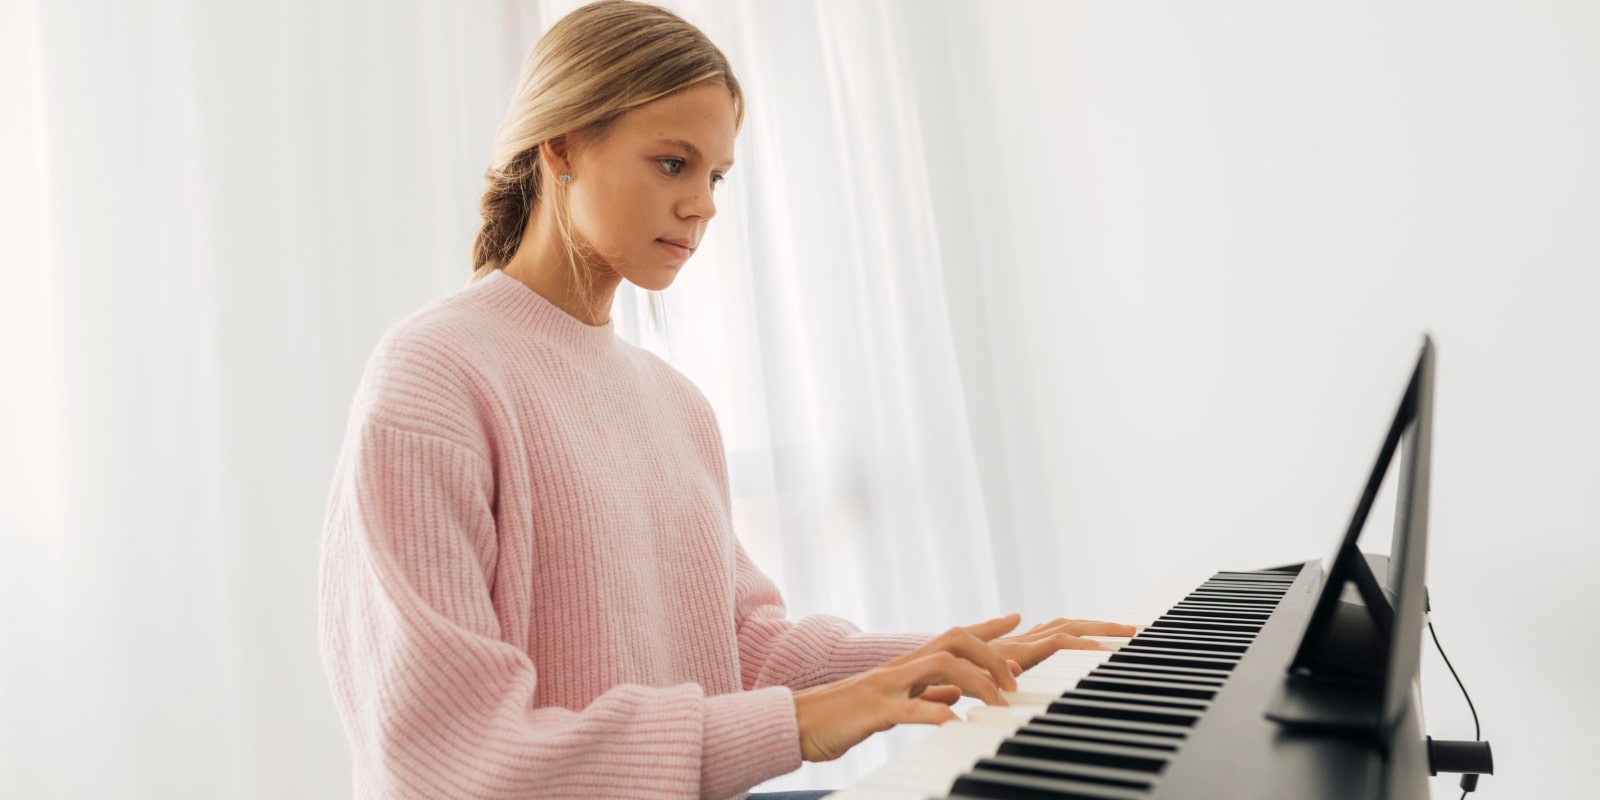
x=592 y=66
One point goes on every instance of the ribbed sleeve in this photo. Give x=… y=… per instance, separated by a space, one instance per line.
x=745 y=735
x=815 y=650
x=438 y=705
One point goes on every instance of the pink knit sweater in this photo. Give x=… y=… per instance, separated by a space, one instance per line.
x=530 y=585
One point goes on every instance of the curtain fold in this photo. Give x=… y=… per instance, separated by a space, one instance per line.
x=878 y=499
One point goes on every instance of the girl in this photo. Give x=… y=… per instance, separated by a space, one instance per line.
x=530 y=586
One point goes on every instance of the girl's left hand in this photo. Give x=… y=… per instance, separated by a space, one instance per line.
x=1025 y=650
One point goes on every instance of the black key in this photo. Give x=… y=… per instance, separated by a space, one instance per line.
x=1045 y=768
x=1198 y=677
x=995 y=785
x=1139 y=698
x=1185 y=643
x=1133 y=712
x=1163 y=688
x=1229 y=615
x=1201 y=636
x=1096 y=753
x=1166 y=731
x=1083 y=733
x=1171 y=658
x=1187 y=622
x=1242 y=589
x=1241 y=611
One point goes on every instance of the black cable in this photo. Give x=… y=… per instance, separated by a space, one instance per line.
x=1477 y=730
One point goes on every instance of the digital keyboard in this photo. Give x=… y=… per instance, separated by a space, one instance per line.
x=1173 y=712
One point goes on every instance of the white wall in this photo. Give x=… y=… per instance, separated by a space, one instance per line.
x=1226 y=227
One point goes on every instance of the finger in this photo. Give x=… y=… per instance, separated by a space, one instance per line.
x=1077 y=627
x=1047 y=629
x=1065 y=641
x=1016 y=669
x=1036 y=652
x=961 y=642
x=1086 y=627
x=970 y=643
x=995 y=628
x=1031 y=637
x=943 y=693
x=920 y=712
x=945 y=668
x=1032 y=653
x=983 y=631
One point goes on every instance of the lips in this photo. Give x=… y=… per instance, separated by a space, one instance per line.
x=681 y=247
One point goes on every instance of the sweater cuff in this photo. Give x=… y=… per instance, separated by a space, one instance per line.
x=749 y=737
x=861 y=652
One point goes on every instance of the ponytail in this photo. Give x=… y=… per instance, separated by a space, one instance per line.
x=507 y=202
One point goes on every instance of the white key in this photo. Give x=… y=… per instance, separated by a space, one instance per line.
x=1111 y=641
x=927 y=768
x=1050 y=678
x=1017 y=714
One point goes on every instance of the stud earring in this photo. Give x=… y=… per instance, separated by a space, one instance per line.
x=566 y=177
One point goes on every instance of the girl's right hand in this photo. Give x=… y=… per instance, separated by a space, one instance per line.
x=836 y=717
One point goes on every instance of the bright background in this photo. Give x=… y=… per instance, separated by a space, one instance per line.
x=1044 y=307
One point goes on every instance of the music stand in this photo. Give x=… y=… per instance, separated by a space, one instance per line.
x=1362 y=646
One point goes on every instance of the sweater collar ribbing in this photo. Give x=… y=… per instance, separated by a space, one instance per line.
x=530 y=310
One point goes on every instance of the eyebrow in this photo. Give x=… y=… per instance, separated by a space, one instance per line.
x=693 y=151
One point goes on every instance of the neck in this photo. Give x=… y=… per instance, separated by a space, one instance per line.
x=541 y=264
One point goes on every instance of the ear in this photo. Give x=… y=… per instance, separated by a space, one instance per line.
x=555 y=155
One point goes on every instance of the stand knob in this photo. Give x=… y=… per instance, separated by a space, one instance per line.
x=1470 y=757
x=1445 y=755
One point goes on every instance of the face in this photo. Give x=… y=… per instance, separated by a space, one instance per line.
x=641 y=194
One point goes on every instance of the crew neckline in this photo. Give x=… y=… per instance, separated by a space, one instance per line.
x=527 y=308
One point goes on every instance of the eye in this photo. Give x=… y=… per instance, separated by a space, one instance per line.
x=672 y=166
x=717 y=179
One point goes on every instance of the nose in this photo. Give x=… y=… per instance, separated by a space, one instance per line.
x=698 y=204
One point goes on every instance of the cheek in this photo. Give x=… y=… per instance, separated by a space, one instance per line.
x=612 y=217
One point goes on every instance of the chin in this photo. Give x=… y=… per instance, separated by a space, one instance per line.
x=658 y=284
x=655 y=280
